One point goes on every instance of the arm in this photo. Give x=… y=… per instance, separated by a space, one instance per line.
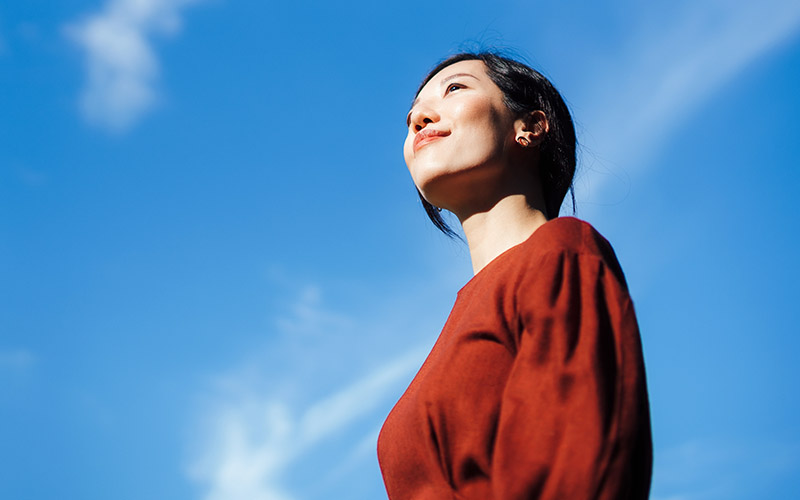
x=574 y=419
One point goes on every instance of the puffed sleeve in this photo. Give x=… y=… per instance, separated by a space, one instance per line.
x=574 y=420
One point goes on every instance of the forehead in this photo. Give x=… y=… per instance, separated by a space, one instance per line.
x=474 y=67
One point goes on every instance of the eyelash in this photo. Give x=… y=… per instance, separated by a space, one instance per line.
x=456 y=85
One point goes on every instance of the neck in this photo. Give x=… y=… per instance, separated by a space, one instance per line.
x=508 y=223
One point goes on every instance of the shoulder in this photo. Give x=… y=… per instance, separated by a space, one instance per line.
x=567 y=239
x=568 y=235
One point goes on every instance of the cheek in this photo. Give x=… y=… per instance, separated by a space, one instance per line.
x=407 y=150
x=483 y=121
x=473 y=108
x=408 y=155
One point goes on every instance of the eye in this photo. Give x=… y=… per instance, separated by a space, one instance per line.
x=453 y=87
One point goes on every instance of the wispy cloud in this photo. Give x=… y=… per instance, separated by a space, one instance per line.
x=671 y=69
x=306 y=315
x=254 y=436
x=252 y=440
x=121 y=64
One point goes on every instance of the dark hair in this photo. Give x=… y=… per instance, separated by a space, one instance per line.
x=525 y=90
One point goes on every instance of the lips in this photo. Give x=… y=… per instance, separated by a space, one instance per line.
x=426 y=136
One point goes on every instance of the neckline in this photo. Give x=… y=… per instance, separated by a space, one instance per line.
x=503 y=256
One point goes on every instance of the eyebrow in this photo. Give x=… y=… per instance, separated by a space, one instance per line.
x=451 y=77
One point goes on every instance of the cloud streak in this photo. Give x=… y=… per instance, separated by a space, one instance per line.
x=673 y=69
x=253 y=439
x=121 y=64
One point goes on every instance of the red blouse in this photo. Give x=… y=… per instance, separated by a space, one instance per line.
x=535 y=388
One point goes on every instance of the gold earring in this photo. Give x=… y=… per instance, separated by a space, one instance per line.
x=524 y=142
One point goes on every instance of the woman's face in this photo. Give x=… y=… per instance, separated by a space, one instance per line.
x=460 y=134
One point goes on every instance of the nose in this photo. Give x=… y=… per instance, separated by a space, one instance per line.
x=422 y=116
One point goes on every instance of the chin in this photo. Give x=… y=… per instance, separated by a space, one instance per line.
x=448 y=188
x=445 y=190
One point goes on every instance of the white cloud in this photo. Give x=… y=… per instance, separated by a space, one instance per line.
x=253 y=436
x=247 y=447
x=675 y=64
x=121 y=64
x=252 y=440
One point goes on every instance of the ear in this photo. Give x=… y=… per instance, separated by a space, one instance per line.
x=531 y=128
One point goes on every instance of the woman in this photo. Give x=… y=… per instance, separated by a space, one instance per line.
x=535 y=388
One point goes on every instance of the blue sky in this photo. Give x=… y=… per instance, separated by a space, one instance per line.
x=217 y=279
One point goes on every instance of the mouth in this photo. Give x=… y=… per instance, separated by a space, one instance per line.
x=426 y=136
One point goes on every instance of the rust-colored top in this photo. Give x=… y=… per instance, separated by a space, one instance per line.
x=535 y=388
